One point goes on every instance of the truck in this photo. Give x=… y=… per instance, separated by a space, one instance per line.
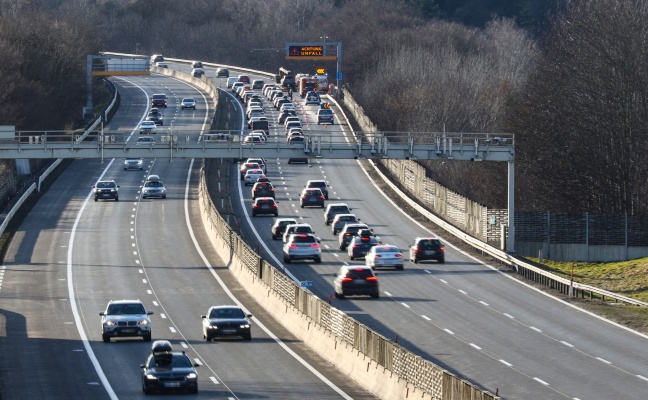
x=287 y=79
x=323 y=83
x=308 y=84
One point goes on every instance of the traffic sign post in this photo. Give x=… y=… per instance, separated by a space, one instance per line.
x=317 y=51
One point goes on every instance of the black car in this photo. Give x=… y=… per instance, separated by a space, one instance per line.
x=168 y=370
x=226 y=321
x=311 y=197
x=107 y=190
x=427 y=248
x=279 y=227
x=334 y=209
x=359 y=246
x=288 y=113
x=319 y=184
x=356 y=280
x=222 y=72
x=348 y=232
x=263 y=189
x=264 y=205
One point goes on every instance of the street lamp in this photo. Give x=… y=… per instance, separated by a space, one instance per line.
x=324 y=37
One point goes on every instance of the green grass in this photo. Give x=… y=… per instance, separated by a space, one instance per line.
x=628 y=278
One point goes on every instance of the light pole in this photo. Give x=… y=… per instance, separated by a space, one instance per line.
x=324 y=37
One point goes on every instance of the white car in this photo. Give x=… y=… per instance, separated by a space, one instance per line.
x=148 y=127
x=252 y=175
x=302 y=246
x=286 y=106
x=384 y=255
x=125 y=318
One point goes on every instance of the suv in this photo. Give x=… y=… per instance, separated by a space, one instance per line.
x=263 y=189
x=340 y=220
x=355 y=280
x=311 y=197
x=302 y=246
x=280 y=225
x=106 y=190
x=320 y=184
x=361 y=244
x=427 y=248
x=325 y=116
x=165 y=369
x=257 y=84
x=223 y=72
x=196 y=64
x=127 y=318
x=264 y=205
x=159 y=100
x=348 y=232
x=297 y=228
x=334 y=209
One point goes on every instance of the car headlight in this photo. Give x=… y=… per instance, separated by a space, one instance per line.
x=192 y=375
x=151 y=377
x=144 y=322
x=110 y=323
x=245 y=326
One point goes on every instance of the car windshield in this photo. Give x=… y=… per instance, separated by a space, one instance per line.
x=154 y=184
x=387 y=249
x=359 y=273
x=106 y=184
x=227 y=313
x=125 y=309
x=170 y=361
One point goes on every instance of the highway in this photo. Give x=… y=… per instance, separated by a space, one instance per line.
x=465 y=316
x=72 y=255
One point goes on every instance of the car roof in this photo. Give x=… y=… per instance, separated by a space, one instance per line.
x=123 y=301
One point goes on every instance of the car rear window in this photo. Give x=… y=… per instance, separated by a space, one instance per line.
x=359 y=273
x=304 y=239
x=429 y=243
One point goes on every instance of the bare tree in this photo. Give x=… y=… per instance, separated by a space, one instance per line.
x=582 y=121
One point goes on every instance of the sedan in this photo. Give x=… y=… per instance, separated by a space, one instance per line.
x=226 y=321
x=385 y=255
x=133 y=163
x=251 y=176
x=279 y=226
x=188 y=102
x=153 y=188
x=144 y=140
x=148 y=127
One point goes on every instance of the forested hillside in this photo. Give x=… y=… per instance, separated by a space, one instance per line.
x=569 y=81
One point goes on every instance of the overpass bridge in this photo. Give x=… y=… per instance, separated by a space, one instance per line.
x=321 y=143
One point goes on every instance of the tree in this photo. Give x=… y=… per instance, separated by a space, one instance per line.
x=581 y=123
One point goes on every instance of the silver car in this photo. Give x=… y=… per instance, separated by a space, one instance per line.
x=125 y=318
x=133 y=163
x=154 y=188
x=302 y=246
x=148 y=127
x=188 y=102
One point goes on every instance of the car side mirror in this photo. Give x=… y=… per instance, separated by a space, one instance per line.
x=142 y=366
x=249 y=315
x=102 y=313
x=203 y=316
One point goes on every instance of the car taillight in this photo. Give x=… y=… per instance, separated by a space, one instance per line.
x=314 y=246
x=255 y=206
x=399 y=255
x=347 y=279
x=354 y=247
x=442 y=249
x=293 y=246
x=376 y=256
x=416 y=250
x=364 y=239
x=372 y=278
x=321 y=197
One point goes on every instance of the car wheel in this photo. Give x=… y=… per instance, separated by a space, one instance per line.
x=274 y=237
x=326 y=197
x=96 y=199
x=276 y=214
x=375 y=295
x=302 y=206
x=247 y=337
x=339 y=295
x=342 y=247
x=105 y=338
x=146 y=389
x=399 y=267
x=161 y=123
x=147 y=338
x=334 y=232
x=441 y=260
x=116 y=198
x=351 y=257
x=125 y=169
x=287 y=260
x=254 y=214
x=318 y=260
x=194 y=390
